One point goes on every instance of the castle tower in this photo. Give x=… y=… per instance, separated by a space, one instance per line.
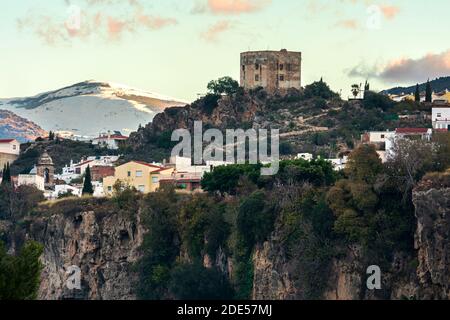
x=45 y=168
x=275 y=71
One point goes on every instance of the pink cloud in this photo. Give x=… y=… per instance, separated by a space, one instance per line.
x=212 y=34
x=236 y=6
x=53 y=30
x=390 y=12
x=403 y=70
x=348 y=24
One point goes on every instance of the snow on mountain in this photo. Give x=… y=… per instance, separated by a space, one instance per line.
x=91 y=107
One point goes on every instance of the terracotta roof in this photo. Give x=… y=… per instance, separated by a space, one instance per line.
x=82 y=164
x=161 y=170
x=148 y=164
x=113 y=136
x=6 y=140
x=411 y=130
x=441 y=130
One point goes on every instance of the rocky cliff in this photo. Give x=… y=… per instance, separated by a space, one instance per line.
x=424 y=275
x=103 y=246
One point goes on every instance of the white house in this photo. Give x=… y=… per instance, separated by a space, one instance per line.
x=9 y=151
x=441 y=118
x=305 y=156
x=76 y=170
x=31 y=180
x=10 y=146
x=109 y=140
x=183 y=164
x=65 y=188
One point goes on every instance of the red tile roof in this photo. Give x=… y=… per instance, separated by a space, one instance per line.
x=148 y=164
x=6 y=140
x=82 y=164
x=411 y=130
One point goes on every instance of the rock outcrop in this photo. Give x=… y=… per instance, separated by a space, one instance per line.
x=104 y=247
x=433 y=242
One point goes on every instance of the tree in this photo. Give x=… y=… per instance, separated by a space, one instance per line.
x=20 y=275
x=356 y=88
x=195 y=282
x=224 y=85
x=319 y=89
x=428 y=92
x=364 y=164
x=87 y=185
x=51 y=136
x=6 y=180
x=417 y=94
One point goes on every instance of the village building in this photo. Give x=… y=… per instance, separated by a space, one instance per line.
x=100 y=167
x=183 y=182
x=111 y=141
x=275 y=71
x=46 y=169
x=9 y=151
x=140 y=175
x=305 y=156
x=31 y=179
x=441 y=117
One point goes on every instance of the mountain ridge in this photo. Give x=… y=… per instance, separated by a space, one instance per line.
x=439 y=84
x=90 y=107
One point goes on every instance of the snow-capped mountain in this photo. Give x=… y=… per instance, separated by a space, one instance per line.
x=91 y=107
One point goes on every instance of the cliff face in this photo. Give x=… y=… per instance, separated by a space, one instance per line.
x=433 y=242
x=103 y=247
x=423 y=276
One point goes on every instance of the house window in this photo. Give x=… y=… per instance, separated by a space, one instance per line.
x=139 y=174
x=129 y=173
x=382 y=136
x=109 y=188
x=281 y=77
x=256 y=77
x=256 y=66
x=155 y=180
x=281 y=66
x=14 y=147
x=439 y=115
x=141 y=188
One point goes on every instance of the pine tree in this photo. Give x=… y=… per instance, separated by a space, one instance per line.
x=87 y=185
x=417 y=94
x=6 y=175
x=429 y=92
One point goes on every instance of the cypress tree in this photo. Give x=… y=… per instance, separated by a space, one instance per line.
x=417 y=94
x=6 y=175
x=87 y=185
x=429 y=92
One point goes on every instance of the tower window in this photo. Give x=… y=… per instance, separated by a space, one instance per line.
x=243 y=67
x=256 y=66
x=256 y=77
x=281 y=66
x=281 y=77
x=288 y=67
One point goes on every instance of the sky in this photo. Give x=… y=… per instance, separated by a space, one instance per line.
x=175 y=47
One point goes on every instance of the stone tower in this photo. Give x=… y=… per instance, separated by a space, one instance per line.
x=45 y=168
x=275 y=71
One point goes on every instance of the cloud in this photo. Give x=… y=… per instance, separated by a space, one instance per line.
x=96 y=18
x=390 y=12
x=348 y=24
x=212 y=34
x=407 y=69
x=230 y=7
